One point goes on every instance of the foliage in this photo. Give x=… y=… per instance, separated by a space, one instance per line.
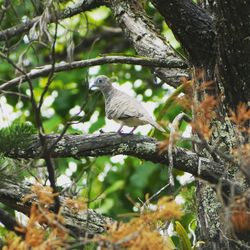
x=142 y=232
x=37 y=237
x=185 y=242
x=112 y=185
x=16 y=135
x=11 y=169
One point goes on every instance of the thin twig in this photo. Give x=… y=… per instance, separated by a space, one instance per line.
x=47 y=157
x=66 y=13
x=40 y=130
x=3 y=92
x=4 y=8
x=173 y=127
x=154 y=195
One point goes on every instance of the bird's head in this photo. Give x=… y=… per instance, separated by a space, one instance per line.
x=102 y=82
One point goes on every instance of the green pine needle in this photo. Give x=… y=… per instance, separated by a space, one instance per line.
x=14 y=136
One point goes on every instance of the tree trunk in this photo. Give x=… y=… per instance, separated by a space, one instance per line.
x=221 y=50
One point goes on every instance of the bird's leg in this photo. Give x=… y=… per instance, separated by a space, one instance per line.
x=119 y=131
x=134 y=128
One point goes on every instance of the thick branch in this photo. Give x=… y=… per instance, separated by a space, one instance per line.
x=45 y=70
x=234 y=46
x=8 y=221
x=145 y=39
x=80 y=223
x=81 y=6
x=142 y=147
x=192 y=26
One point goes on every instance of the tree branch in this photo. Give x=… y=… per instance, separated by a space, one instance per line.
x=7 y=220
x=142 y=147
x=145 y=39
x=46 y=69
x=80 y=223
x=132 y=24
x=81 y=6
x=192 y=26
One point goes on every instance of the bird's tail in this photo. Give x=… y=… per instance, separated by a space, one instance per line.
x=157 y=126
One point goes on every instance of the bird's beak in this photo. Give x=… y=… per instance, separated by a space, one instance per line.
x=93 y=87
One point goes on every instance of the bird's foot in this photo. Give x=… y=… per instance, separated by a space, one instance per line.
x=119 y=131
x=131 y=132
x=123 y=133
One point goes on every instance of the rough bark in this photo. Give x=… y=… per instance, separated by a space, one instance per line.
x=193 y=27
x=8 y=221
x=80 y=223
x=140 y=31
x=233 y=78
x=143 y=147
x=234 y=48
x=197 y=32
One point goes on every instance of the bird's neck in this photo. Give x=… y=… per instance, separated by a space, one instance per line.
x=107 y=91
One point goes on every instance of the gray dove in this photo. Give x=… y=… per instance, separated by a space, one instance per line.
x=123 y=108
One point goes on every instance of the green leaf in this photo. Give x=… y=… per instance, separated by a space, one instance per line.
x=115 y=187
x=51 y=124
x=106 y=206
x=182 y=233
x=97 y=125
x=141 y=177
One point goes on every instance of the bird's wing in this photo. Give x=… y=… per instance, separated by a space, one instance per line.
x=123 y=106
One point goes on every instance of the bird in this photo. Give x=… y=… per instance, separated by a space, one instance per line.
x=123 y=108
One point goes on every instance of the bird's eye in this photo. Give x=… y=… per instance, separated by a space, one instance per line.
x=100 y=80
